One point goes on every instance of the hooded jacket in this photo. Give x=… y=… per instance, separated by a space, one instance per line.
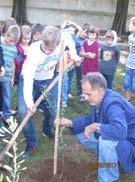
x=117 y=118
x=109 y=56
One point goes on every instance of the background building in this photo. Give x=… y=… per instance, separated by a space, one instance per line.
x=96 y=12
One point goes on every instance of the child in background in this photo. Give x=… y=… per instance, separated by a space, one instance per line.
x=2 y=72
x=129 y=79
x=9 y=52
x=90 y=51
x=80 y=38
x=36 y=31
x=71 y=29
x=109 y=57
x=68 y=28
x=22 y=47
x=4 y=25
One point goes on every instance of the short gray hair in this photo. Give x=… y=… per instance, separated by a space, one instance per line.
x=51 y=36
x=14 y=32
x=96 y=80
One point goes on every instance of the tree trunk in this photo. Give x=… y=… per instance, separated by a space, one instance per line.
x=120 y=18
x=19 y=11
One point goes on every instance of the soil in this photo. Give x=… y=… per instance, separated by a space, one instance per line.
x=68 y=171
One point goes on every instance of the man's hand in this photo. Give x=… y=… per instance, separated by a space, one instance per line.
x=57 y=122
x=63 y=122
x=90 y=128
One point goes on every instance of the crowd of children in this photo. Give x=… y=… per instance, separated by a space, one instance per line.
x=29 y=58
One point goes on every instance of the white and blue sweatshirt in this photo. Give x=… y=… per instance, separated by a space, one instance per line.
x=39 y=66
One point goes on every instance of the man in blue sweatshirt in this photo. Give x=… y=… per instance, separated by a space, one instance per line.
x=108 y=130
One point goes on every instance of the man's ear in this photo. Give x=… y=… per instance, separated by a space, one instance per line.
x=101 y=91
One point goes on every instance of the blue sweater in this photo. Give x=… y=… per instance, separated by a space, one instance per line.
x=117 y=118
x=9 y=54
x=109 y=58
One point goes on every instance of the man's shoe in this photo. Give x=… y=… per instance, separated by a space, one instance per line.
x=50 y=136
x=29 y=151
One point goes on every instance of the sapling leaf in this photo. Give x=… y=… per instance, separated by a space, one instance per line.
x=22 y=161
x=9 y=154
x=6 y=141
x=24 y=168
x=6 y=130
x=8 y=168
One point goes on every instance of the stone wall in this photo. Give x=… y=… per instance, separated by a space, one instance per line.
x=97 y=12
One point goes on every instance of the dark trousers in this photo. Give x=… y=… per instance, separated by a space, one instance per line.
x=78 y=80
x=109 y=79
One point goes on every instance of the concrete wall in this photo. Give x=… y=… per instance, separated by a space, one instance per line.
x=97 y=12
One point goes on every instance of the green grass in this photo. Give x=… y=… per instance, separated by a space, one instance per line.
x=69 y=143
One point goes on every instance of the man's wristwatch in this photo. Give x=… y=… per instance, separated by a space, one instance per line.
x=98 y=129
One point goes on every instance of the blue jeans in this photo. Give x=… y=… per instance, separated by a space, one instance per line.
x=129 y=80
x=65 y=87
x=49 y=106
x=29 y=129
x=109 y=80
x=6 y=93
x=105 y=149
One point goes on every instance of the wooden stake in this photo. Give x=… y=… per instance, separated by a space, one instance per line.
x=58 y=106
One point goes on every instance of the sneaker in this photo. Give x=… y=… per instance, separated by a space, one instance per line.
x=50 y=136
x=9 y=120
x=70 y=96
x=29 y=151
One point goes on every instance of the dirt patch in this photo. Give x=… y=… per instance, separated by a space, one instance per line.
x=68 y=171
